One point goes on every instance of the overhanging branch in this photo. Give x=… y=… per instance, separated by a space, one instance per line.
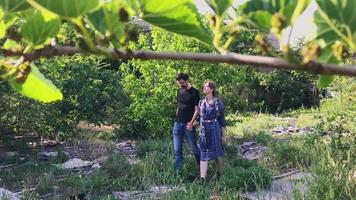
x=230 y=58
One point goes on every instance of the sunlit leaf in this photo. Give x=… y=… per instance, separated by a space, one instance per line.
x=36 y=30
x=66 y=8
x=2 y=25
x=12 y=45
x=179 y=17
x=219 y=6
x=36 y=86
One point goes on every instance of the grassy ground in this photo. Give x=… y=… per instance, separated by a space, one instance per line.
x=333 y=169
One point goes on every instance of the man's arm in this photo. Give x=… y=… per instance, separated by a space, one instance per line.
x=195 y=115
x=196 y=111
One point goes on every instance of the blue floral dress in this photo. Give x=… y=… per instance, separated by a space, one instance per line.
x=212 y=119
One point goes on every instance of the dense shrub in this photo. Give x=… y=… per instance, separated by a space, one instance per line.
x=337 y=118
x=91 y=92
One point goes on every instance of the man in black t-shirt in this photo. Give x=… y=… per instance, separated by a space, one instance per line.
x=187 y=112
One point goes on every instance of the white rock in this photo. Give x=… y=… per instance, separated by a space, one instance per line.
x=75 y=163
x=8 y=195
x=11 y=153
x=47 y=154
x=96 y=166
x=282 y=188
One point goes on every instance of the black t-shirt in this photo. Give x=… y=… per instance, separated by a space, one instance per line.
x=187 y=100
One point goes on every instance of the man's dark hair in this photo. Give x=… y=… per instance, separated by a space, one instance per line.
x=181 y=76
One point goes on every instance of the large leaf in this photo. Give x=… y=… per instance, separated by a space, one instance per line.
x=254 y=7
x=219 y=6
x=66 y=8
x=14 y=5
x=37 y=30
x=36 y=86
x=325 y=80
x=325 y=38
x=175 y=16
x=107 y=20
x=342 y=11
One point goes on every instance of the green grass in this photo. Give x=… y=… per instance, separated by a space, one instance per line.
x=247 y=125
x=332 y=167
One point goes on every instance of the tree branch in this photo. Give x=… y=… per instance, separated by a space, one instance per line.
x=230 y=58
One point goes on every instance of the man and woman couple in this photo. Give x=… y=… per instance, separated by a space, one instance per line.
x=209 y=112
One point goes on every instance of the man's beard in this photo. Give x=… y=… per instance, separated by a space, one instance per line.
x=184 y=86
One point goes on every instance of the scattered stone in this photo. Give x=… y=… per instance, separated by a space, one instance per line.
x=47 y=155
x=307 y=130
x=11 y=153
x=101 y=160
x=8 y=166
x=133 y=161
x=283 y=187
x=153 y=193
x=8 y=195
x=75 y=163
x=127 y=148
x=50 y=143
x=96 y=166
x=252 y=150
x=280 y=130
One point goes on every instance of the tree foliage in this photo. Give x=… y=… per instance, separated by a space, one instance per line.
x=91 y=90
x=152 y=89
x=31 y=26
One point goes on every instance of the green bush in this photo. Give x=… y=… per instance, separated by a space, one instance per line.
x=91 y=92
x=337 y=118
x=281 y=90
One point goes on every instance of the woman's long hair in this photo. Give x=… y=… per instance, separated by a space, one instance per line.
x=212 y=86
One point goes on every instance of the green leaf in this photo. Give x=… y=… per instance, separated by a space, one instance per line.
x=340 y=17
x=325 y=80
x=106 y=21
x=14 y=5
x=219 y=6
x=37 y=30
x=6 y=20
x=2 y=25
x=12 y=45
x=342 y=11
x=179 y=17
x=66 y=8
x=326 y=37
x=271 y=6
x=2 y=29
x=134 y=5
x=262 y=18
x=36 y=86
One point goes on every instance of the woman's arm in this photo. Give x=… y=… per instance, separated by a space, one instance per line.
x=221 y=117
x=221 y=120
